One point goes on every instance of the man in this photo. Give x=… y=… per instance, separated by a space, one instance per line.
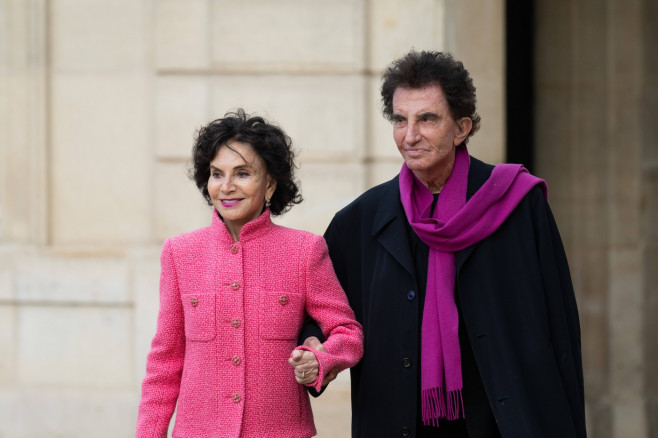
x=458 y=275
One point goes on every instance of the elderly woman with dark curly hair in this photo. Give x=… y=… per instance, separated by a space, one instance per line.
x=233 y=298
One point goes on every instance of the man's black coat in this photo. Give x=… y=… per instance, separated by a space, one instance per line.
x=516 y=300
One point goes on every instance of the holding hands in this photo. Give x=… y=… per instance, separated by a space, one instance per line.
x=306 y=365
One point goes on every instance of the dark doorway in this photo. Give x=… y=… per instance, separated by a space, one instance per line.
x=519 y=81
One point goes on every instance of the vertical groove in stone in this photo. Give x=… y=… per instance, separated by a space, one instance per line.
x=649 y=205
x=23 y=82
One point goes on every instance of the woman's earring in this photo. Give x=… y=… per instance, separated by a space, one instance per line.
x=267 y=202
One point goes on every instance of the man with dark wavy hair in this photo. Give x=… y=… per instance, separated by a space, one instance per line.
x=457 y=272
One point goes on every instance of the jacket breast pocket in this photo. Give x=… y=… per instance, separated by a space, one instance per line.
x=281 y=315
x=199 y=310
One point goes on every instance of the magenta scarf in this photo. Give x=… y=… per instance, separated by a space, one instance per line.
x=455 y=225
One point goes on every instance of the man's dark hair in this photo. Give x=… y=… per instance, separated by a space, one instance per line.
x=421 y=69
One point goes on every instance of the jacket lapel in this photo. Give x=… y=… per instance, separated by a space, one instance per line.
x=389 y=227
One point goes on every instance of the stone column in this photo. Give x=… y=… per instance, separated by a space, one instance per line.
x=24 y=125
x=592 y=147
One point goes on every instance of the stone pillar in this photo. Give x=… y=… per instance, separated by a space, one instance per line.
x=592 y=95
x=24 y=124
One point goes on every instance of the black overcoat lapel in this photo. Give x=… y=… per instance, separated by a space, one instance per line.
x=389 y=227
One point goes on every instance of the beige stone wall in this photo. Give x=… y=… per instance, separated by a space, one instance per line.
x=99 y=102
x=597 y=147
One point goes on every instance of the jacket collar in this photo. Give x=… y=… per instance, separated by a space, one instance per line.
x=251 y=230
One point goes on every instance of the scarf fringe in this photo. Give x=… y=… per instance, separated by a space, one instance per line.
x=436 y=404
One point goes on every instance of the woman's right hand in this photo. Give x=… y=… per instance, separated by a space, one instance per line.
x=315 y=344
x=305 y=365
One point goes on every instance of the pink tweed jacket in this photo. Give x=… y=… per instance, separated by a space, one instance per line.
x=229 y=318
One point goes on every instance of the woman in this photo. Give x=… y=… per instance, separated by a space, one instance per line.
x=233 y=297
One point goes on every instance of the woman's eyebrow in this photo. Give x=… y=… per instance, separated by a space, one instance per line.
x=240 y=166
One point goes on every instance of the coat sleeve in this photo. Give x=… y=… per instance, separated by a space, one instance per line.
x=164 y=363
x=327 y=304
x=562 y=310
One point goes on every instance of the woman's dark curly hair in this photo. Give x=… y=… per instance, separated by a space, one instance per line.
x=421 y=69
x=268 y=141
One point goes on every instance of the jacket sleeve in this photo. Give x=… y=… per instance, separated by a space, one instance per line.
x=311 y=327
x=562 y=310
x=327 y=304
x=164 y=363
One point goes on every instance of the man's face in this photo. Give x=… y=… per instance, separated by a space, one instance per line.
x=426 y=134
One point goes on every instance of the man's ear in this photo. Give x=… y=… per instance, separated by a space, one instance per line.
x=464 y=126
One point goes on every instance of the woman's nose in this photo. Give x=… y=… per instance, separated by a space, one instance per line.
x=227 y=185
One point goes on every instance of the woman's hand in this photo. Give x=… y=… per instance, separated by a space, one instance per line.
x=306 y=366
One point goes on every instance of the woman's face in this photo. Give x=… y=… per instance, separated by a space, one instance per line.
x=238 y=185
